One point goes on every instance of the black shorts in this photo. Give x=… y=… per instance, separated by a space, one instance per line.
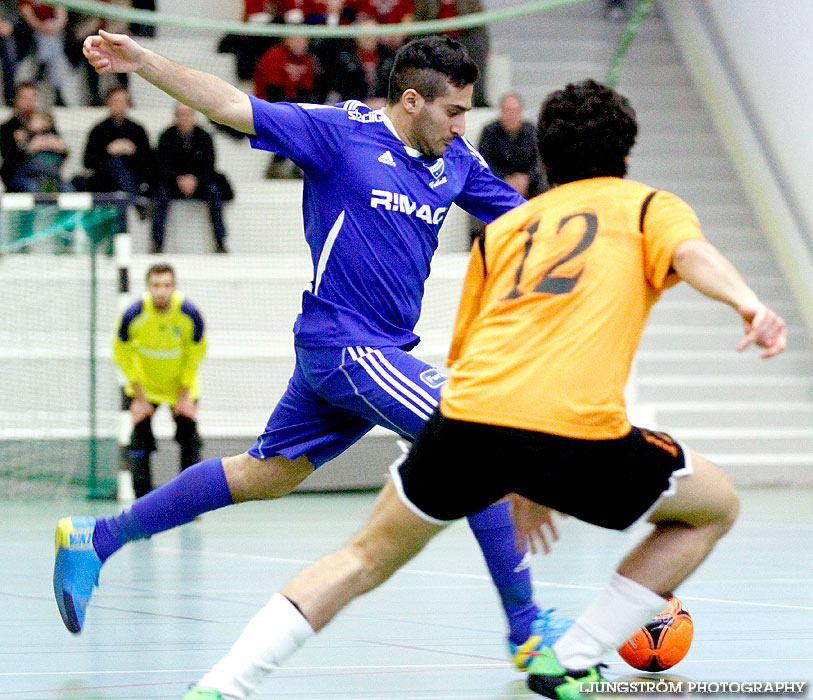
x=457 y=468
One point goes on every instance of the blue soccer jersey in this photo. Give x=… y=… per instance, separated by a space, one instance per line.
x=372 y=209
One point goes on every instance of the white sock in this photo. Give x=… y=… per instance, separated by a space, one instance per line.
x=273 y=634
x=620 y=609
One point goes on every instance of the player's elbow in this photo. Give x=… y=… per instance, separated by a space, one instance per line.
x=235 y=111
x=689 y=255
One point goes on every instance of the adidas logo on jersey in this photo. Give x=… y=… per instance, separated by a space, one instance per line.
x=386 y=158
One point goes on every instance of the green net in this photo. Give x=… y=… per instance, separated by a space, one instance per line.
x=58 y=397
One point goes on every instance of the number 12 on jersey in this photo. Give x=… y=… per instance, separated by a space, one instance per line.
x=550 y=282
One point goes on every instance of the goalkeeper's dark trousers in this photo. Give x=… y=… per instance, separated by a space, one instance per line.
x=142 y=443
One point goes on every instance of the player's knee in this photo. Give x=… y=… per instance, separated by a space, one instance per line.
x=252 y=479
x=728 y=507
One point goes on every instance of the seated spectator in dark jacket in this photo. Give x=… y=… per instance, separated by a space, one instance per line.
x=186 y=170
x=330 y=13
x=118 y=152
x=40 y=169
x=13 y=134
x=509 y=147
x=363 y=69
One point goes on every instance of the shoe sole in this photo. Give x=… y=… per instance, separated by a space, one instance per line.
x=64 y=600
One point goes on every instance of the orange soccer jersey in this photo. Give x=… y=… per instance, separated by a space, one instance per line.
x=555 y=303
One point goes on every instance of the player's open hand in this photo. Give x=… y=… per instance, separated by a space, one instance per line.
x=534 y=524
x=764 y=328
x=113 y=53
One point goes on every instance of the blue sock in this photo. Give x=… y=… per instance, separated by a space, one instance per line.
x=494 y=531
x=199 y=489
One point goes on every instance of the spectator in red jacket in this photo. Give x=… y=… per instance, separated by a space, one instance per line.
x=286 y=72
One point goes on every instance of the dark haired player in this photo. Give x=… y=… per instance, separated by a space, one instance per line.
x=378 y=185
x=556 y=299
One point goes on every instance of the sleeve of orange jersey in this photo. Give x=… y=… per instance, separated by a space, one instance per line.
x=668 y=222
x=470 y=300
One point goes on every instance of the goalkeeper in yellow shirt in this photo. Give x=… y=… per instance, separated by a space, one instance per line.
x=159 y=345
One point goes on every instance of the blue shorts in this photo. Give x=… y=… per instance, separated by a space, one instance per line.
x=336 y=395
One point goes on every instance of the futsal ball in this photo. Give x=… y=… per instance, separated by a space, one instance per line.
x=661 y=643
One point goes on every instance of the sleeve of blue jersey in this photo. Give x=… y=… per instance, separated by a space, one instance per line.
x=485 y=195
x=303 y=133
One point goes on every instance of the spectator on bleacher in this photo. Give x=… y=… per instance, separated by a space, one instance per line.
x=363 y=69
x=186 y=170
x=47 y=25
x=509 y=147
x=13 y=134
x=475 y=39
x=45 y=152
x=248 y=49
x=285 y=73
x=159 y=345
x=118 y=153
x=330 y=13
x=259 y=10
x=9 y=18
x=82 y=26
x=143 y=29
x=387 y=12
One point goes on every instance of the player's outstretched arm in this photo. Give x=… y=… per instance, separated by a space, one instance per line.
x=701 y=265
x=218 y=100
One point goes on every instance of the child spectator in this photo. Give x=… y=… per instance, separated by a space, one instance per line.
x=45 y=152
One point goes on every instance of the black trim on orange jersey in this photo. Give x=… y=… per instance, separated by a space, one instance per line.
x=644 y=208
x=481 y=242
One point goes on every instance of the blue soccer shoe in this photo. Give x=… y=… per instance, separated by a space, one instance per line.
x=545 y=631
x=76 y=569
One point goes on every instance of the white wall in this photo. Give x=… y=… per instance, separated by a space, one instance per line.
x=769 y=45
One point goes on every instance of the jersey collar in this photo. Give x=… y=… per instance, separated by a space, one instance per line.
x=414 y=152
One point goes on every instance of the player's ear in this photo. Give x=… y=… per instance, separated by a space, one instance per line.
x=412 y=100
